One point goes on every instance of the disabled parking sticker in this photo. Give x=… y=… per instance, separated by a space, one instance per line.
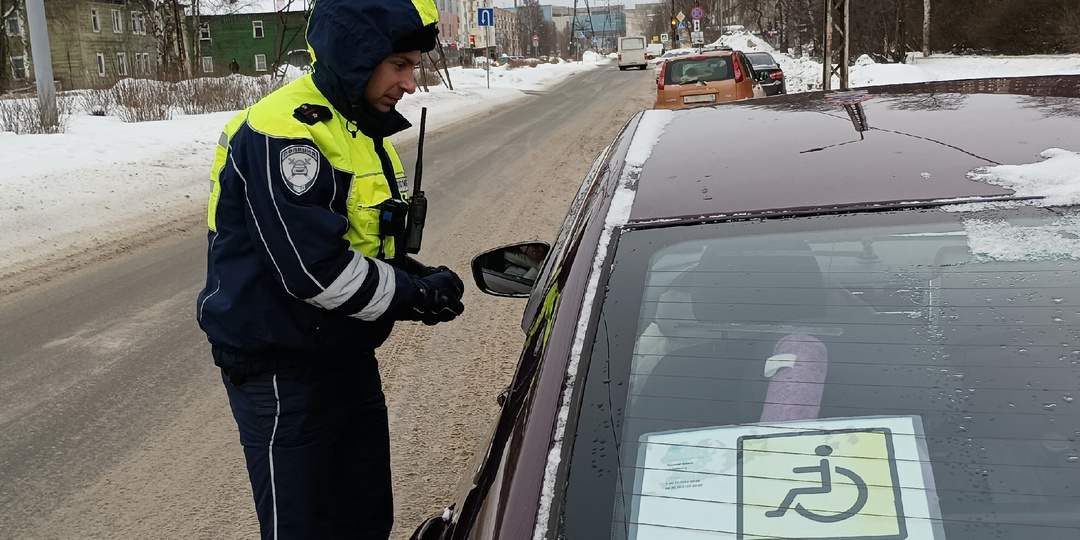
x=839 y=478
x=820 y=484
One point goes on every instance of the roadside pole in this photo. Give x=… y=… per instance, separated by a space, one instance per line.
x=43 y=73
x=489 y=54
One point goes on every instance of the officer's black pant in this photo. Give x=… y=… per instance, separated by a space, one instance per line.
x=317 y=443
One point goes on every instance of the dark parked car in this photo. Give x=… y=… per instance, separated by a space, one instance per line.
x=877 y=336
x=769 y=73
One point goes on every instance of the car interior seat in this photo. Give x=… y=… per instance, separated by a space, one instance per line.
x=742 y=307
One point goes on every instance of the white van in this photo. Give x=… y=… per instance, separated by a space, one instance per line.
x=632 y=52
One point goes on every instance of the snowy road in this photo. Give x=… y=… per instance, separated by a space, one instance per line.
x=114 y=423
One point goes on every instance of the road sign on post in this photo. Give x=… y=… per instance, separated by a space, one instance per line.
x=681 y=17
x=698 y=38
x=486 y=17
x=663 y=38
x=697 y=25
x=697 y=13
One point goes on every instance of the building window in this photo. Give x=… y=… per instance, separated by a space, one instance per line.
x=204 y=31
x=138 y=23
x=94 y=22
x=257 y=29
x=100 y=65
x=121 y=63
x=260 y=62
x=18 y=67
x=14 y=28
x=143 y=60
x=208 y=64
x=117 y=22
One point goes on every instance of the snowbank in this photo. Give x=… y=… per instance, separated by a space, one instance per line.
x=801 y=74
x=804 y=74
x=592 y=57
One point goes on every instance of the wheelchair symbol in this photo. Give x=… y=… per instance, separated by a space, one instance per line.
x=826 y=487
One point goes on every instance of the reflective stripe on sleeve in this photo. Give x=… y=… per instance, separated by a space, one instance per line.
x=380 y=301
x=346 y=285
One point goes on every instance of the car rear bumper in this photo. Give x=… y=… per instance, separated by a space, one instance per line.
x=774 y=88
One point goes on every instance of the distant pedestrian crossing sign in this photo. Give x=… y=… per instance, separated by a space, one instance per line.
x=581 y=34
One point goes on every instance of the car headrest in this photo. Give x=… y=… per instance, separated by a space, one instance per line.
x=778 y=287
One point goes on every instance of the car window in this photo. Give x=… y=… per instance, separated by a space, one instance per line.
x=699 y=69
x=632 y=44
x=824 y=376
x=760 y=60
x=747 y=68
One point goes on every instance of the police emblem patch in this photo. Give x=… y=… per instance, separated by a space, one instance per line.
x=299 y=167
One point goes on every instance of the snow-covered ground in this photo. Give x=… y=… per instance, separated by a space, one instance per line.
x=59 y=191
x=95 y=140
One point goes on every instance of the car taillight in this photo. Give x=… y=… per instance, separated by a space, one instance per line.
x=776 y=75
x=738 y=70
x=620 y=57
x=663 y=74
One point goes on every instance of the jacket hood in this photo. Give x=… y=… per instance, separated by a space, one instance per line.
x=349 y=38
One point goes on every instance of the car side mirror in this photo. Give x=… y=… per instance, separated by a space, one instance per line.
x=510 y=271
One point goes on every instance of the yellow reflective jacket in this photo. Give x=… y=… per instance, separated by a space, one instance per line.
x=297 y=257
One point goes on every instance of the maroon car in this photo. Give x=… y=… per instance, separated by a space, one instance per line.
x=870 y=331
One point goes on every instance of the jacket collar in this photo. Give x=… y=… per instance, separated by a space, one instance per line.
x=370 y=121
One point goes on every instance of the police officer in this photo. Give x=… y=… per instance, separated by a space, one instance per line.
x=306 y=274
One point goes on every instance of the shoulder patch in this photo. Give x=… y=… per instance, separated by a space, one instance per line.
x=312 y=114
x=299 y=167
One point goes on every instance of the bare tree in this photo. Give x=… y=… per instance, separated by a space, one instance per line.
x=7 y=8
x=926 y=28
x=289 y=34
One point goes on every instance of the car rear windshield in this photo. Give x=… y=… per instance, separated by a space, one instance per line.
x=632 y=44
x=699 y=69
x=761 y=60
x=889 y=375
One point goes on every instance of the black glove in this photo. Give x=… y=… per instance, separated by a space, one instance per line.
x=439 y=297
x=417 y=268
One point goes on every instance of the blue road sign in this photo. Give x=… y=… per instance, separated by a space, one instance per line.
x=595 y=40
x=581 y=34
x=697 y=13
x=485 y=17
x=682 y=25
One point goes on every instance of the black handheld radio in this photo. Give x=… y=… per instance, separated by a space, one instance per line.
x=414 y=231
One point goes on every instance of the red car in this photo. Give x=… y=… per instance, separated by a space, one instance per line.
x=873 y=331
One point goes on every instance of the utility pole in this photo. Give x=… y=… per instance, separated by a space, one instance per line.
x=43 y=73
x=837 y=21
